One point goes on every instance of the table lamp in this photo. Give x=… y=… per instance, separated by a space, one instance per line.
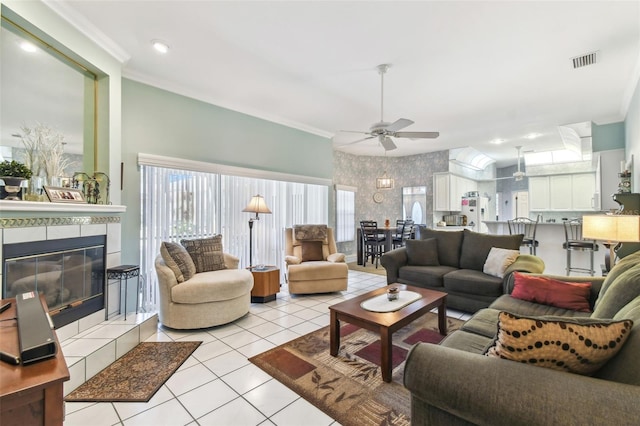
x=257 y=205
x=614 y=229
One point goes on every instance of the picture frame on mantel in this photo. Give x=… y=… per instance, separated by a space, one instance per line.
x=59 y=194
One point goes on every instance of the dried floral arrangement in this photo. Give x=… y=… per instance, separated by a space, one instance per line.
x=44 y=151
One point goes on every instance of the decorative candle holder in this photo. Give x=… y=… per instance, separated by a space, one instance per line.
x=393 y=293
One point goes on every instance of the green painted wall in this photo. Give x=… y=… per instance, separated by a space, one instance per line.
x=156 y=121
x=607 y=136
x=632 y=137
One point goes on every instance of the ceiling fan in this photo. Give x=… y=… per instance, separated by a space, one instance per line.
x=517 y=175
x=383 y=130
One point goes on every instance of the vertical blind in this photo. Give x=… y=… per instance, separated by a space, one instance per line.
x=181 y=204
x=345 y=214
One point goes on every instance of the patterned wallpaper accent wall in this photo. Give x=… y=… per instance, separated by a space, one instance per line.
x=361 y=172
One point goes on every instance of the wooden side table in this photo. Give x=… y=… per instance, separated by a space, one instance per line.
x=266 y=284
x=30 y=394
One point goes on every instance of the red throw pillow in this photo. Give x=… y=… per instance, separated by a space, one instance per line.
x=548 y=291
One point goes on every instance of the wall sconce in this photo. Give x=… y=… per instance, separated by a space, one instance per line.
x=384 y=182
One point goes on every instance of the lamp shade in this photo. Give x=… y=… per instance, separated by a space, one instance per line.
x=257 y=205
x=619 y=228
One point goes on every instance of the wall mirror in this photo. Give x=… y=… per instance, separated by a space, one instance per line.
x=414 y=203
x=44 y=87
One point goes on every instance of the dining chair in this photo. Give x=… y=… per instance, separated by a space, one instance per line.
x=405 y=232
x=372 y=242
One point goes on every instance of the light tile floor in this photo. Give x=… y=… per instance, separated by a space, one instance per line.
x=218 y=386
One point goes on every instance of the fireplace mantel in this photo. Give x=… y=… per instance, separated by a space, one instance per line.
x=47 y=207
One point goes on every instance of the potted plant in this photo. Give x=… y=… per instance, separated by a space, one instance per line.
x=13 y=173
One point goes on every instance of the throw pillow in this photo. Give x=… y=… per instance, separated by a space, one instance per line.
x=311 y=250
x=499 y=260
x=559 y=345
x=206 y=253
x=422 y=252
x=178 y=260
x=476 y=247
x=552 y=292
x=449 y=243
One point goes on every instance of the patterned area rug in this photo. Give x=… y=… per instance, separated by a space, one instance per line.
x=137 y=375
x=349 y=387
x=370 y=268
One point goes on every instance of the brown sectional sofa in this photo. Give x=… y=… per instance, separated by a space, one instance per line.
x=456 y=266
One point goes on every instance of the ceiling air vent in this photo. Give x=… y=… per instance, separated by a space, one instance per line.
x=584 y=60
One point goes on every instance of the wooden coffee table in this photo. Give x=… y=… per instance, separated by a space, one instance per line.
x=386 y=323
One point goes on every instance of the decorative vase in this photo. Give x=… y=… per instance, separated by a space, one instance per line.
x=36 y=189
x=12 y=188
x=393 y=293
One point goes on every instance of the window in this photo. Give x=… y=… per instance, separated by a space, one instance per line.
x=179 y=204
x=345 y=213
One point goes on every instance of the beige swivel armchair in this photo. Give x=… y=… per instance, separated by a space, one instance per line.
x=313 y=264
x=205 y=300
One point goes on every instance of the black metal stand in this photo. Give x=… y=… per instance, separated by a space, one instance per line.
x=250 y=243
x=122 y=273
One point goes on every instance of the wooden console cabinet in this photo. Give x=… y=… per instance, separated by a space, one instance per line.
x=30 y=394
x=266 y=284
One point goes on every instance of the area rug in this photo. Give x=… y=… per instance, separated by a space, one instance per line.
x=349 y=387
x=370 y=268
x=137 y=375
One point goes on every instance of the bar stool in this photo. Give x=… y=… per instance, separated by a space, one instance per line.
x=527 y=227
x=575 y=242
x=372 y=242
x=124 y=273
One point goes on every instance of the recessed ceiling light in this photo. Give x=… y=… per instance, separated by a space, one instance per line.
x=532 y=136
x=160 y=46
x=498 y=141
x=28 y=47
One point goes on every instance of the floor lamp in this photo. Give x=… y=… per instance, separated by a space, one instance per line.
x=613 y=229
x=257 y=205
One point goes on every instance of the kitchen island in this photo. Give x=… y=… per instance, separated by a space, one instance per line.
x=550 y=236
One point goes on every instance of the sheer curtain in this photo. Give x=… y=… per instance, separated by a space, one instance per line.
x=179 y=204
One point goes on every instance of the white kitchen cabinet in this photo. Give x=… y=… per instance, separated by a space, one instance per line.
x=441 y=192
x=584 y=191
x=560 y=192
x=570 y=192
x=448 y=190
x=539 y=193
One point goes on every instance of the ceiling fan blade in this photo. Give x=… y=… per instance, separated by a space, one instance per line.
x=398 y=124
x=359 y=140
x=387 y=143
x=346 y=136
x=417 y=135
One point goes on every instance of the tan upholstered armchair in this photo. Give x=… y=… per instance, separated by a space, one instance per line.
x=313 y=263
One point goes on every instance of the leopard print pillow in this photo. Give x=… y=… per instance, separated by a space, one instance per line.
x=577 y=346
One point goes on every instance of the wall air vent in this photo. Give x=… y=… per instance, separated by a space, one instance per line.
x=584 y=60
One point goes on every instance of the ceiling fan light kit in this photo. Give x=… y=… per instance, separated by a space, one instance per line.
x=384 y=130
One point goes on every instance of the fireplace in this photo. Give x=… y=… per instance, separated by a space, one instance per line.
x=70 y=272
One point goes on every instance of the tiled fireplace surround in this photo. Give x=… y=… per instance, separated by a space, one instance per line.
x=93 y=342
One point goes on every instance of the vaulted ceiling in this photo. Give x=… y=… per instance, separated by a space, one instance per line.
x=474 y=71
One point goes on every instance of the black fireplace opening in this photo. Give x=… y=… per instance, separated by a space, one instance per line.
x=69 y=272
